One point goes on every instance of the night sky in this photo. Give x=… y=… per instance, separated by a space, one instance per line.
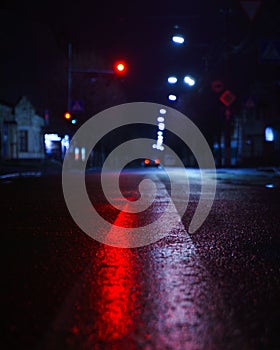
x=35 y=35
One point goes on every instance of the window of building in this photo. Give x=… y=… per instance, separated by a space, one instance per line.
x=23 y=141
x=269 y=134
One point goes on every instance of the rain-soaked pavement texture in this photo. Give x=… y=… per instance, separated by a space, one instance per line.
x=218 y=288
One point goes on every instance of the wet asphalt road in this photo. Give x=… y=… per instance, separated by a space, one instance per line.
x=218 y=288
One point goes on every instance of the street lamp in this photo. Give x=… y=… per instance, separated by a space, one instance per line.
x=172 y=97
x=178 y=39
x=172 y=80
x=189 y=80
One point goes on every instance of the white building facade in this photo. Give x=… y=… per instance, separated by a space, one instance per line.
x=21 y=131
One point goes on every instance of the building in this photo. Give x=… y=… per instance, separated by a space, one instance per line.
x=257 y=129
x=21 y=131
x=250 y=132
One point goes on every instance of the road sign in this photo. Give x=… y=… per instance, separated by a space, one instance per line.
x=227 y=98
x=77 y=106
x=251 y=7
x=270 y=51
x=250 y=103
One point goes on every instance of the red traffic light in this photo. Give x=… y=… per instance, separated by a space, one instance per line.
x=120 y=67
x=67 y=115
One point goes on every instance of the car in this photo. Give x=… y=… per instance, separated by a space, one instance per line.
x=151 y=163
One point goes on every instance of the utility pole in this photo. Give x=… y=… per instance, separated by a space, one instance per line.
x=76 y=106
x=227 y=115
x=69 y=85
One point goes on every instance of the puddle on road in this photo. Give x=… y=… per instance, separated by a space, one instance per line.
x=8 y=178
x=248 y=183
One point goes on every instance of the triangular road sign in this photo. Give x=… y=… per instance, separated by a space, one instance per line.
x=250 y=103
x=77 y=106
x=251 y=7
x=271 y=52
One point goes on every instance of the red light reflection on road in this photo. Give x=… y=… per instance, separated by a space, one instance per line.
x=118 y=291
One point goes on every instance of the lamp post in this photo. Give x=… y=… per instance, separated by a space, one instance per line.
x=119 y=69
x=77 y=106
x=178 y=39
x=227 y=115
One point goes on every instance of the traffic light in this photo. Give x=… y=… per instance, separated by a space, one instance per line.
x=67 y=115
x=120 y=67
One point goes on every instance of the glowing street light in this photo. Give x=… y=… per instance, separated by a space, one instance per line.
x=161 y=126
x=172 y=97
x=189 y=80
x=178 y=39
x=172 y=80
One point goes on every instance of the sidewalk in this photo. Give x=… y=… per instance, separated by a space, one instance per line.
x=17 y=168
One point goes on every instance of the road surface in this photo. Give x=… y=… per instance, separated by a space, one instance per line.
x=217 y=288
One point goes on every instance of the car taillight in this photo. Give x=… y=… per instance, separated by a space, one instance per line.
x=147 y=161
